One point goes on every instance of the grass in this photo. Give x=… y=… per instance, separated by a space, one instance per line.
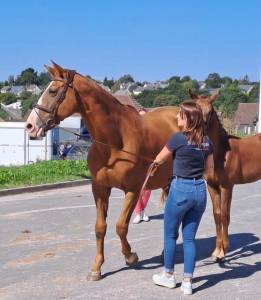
x=3 y=114
x=43 y=172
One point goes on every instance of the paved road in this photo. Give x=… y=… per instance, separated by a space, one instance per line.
x=48 y=244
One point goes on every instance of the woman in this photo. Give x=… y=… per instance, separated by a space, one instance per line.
x=186 y=202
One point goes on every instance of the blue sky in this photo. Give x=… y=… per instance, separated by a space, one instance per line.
x=149 y=39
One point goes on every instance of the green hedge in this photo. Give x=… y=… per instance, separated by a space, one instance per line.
x=43 y=172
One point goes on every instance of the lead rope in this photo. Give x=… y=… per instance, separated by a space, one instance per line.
x=151 y=170
x=111 y=146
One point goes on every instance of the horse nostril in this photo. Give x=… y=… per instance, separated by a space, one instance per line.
x=29 y=126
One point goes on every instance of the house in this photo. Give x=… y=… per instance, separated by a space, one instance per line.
x=149 y=87
x=16 y=105
x=123 y=93
x=105 y=87
x=245 y=88
x=161 y=84
x=5 y=89
x=17 y=90
x=127 y=100
x=202 y=85
x=13 y=111
x=33 y=88
x=246 y=117
x=213 y=90
x=137 y=91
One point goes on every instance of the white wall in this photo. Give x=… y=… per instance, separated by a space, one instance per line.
x=17 y=149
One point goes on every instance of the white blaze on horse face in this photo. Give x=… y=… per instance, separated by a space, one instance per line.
x=33 y=118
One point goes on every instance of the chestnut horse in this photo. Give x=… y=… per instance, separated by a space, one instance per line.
x=236 y=161
x=111 y=123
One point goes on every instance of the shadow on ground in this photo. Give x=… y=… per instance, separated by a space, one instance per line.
x=241 y=245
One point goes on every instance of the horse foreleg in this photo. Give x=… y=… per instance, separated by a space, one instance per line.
x=226 y=197
x=101 y=195
x=123 y=225
x=216 y=204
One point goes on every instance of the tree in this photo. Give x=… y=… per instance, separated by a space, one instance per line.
x=254 y=94
x=174 y=79
x=8 y=98
x=213 y=80
x=191 y=85
x=228 y=100
x=25 y=95
x=244 y=80
x=43 y=79
x=108 y=83
x=185 y=78
x=126 y=78
x=226 y=80
x=28 y=103
x=11 y=79
x=27 y=76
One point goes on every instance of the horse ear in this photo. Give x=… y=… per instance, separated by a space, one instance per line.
x=214 y=96
x=50 y=70
x=192 y=95
x=58 y=68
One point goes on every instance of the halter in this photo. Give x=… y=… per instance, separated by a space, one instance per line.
x=52 y=111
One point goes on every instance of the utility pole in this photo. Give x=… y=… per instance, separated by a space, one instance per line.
x=259 y=110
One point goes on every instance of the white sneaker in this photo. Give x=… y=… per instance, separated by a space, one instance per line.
x=186 y=287
x=137 y=219
x=145 y=218
x=164 y=280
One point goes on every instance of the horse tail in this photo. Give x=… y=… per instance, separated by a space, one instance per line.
x=164 y=195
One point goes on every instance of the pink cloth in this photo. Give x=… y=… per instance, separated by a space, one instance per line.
x=142 y=202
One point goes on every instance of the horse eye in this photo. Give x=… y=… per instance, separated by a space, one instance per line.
x=52 y=92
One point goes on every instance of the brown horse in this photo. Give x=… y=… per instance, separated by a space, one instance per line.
x=111 y=123
x=236 y=161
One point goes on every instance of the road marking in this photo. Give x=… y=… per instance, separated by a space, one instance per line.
x=16 y=199
x=45 y=210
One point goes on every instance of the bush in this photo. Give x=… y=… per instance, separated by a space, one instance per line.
x=8 y=98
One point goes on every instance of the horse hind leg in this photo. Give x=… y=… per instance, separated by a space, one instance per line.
x=216 y=204
x=122 y=226
x=101 y=196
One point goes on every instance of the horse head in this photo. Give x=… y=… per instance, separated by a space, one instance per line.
x=57 y=102
x=206 y=104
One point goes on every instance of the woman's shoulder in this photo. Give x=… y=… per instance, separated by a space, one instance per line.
x=179 y=137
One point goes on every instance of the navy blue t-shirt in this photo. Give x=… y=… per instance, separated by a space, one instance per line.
x=188 y=159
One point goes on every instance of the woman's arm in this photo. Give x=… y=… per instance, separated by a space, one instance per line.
x=164 y=154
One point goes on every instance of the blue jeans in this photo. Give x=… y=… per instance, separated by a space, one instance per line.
x=185 y=204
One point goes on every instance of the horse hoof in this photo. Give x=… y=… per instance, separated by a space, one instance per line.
x=220 y=259
x=132 y=259
x=94 y=276
x=216 y=253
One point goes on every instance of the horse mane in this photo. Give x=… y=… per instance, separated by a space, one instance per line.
x=223 y=131
x=101 y=90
